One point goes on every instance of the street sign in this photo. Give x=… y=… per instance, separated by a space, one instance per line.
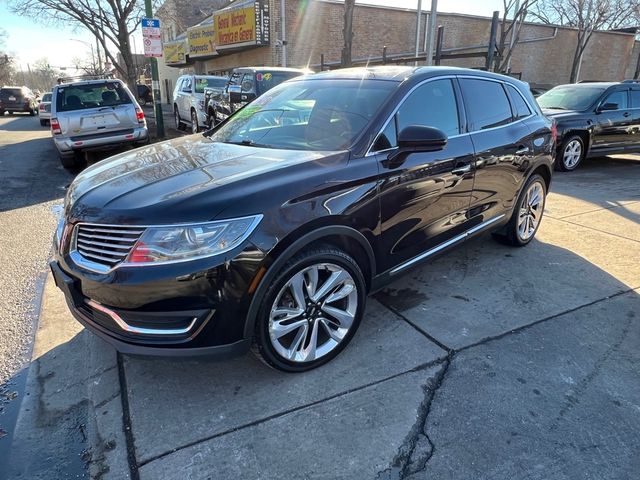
x=151 y=37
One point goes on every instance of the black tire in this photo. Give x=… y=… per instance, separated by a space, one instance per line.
x=33 y=112
x=1 y=113
x=10 y=113
x=212 y=120
x=510 y=234
x=565 y=160
x=194 y=122
x=69 y=161
x=263 y=347
x=180 y=125
x=43 y=123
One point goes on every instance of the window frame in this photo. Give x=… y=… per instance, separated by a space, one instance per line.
x=506 y=86
x=608 y=93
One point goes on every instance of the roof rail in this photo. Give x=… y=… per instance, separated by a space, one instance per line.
x=73 y=78
x=631 y=80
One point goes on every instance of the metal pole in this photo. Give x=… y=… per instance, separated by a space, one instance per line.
x=418 y=30
x=155 y=81
x=439 y=42
x=513 y=34
x=431 y=31
x=283 y=32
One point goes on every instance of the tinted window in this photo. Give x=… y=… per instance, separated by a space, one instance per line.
x=5 y=93
x=570 y=97
x=46 y=97
x=204 y=82
x=520 y=107
x=635 y=98
x=619 y=98
x=486 y=102
x=267 y=80
x=432 y=105
x=80 y=97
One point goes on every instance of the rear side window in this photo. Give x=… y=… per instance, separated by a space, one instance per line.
x=95 y=95
x=432 y=104
x=635 y=98
x=487 y=103
x=520 y=107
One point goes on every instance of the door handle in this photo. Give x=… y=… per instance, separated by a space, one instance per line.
x=522 y=151
x=626 y=114
x=462 y=170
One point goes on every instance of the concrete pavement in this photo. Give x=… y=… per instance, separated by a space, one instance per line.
x=490 y=362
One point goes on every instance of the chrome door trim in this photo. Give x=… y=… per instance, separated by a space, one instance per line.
x=446 y=244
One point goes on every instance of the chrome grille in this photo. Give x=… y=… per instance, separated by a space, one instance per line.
x=106 y=245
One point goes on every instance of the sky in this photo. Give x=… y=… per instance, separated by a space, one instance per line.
x=30 y=41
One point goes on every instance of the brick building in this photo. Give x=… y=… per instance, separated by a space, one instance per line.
x=314 y=31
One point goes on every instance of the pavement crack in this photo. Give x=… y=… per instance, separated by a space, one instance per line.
x=126 y=421
x=417 y=449
x=596 y=230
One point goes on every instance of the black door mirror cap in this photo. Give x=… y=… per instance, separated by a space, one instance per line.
x=419 y=138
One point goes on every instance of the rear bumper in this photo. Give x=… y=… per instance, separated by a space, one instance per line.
x=65 y=144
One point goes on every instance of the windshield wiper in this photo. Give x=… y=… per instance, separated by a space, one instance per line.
x=556 y=108
x=250 y=143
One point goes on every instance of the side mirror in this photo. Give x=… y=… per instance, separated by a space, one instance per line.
x=417 y=138
x=607 y=107
x=186 y=90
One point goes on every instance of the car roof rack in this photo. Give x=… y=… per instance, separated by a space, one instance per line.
x=76 y=78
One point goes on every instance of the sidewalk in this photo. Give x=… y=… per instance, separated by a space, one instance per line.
x=490 y=362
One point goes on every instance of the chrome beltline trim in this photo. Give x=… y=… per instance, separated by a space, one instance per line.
x=139 y=330
x=446 y=244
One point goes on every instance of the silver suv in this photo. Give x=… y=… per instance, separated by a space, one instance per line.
x=188 y=100
x=95 y=115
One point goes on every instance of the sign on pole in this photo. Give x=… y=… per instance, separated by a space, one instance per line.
x=151 y=37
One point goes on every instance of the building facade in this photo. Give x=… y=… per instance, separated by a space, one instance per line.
x=251 y=33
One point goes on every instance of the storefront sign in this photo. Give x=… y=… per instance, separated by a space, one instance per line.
x=175 y=52
x=246 y=26
x=201 y=41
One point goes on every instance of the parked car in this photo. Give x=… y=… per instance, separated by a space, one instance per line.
x=95 y=115
x=537 y=91
x=44 y=109
x=18 y=99
x=244 y=85
x=271 y=229
x=593 y=119
x=145 y=95
x=188 y=100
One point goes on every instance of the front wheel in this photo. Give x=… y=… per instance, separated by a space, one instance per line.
x=176 y=116
x=194 y=122
x=527 y=214
x=311 y=311
x=571 y=154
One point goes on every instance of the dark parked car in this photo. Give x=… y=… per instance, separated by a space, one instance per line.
x=271 y=229
x=18 y=99
x=244 y=85
x=145 y=95
x=593 y=119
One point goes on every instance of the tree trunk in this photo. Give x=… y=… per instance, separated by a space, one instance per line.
x=347 y=32
x=129 y=73
x=577 y=55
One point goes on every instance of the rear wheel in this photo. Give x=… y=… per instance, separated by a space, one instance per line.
x=527 y=214
x=43 y=123
x=571 y=154
x=311 y=311
x=194 y=121
x=176 y=115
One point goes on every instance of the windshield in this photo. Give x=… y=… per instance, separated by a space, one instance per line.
x=267 y=80
x=46 y=97
x=207 y=82
x=91 y=95
x=570 y=97
x=307 y=115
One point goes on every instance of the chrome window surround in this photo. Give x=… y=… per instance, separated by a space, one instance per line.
x=81 y=261
x=457 y=77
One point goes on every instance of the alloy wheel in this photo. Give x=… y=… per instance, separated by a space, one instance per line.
x=313 y=312
x=572 y=154
x=531 y=211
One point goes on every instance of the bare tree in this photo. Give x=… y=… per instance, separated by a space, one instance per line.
x=587 y=16
x=517 y=11
x=347 y=32
x=110 y=21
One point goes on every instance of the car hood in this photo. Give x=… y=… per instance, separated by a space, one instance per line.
x=189 y=179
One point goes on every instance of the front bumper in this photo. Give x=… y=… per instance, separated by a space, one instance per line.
x=66 y=144
x=175 y=310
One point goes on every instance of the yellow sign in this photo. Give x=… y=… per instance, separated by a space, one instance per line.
x=235 y=27
x=175 y=52
x=201 y=41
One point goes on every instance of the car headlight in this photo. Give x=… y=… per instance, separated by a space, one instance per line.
x=189 y=242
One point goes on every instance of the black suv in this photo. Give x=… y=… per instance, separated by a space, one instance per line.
x=271 y=229
x=18 y=99
x=593 y=119
x=244 y=85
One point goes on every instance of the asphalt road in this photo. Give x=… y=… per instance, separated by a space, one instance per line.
x=487 y=363
x=32 y=185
